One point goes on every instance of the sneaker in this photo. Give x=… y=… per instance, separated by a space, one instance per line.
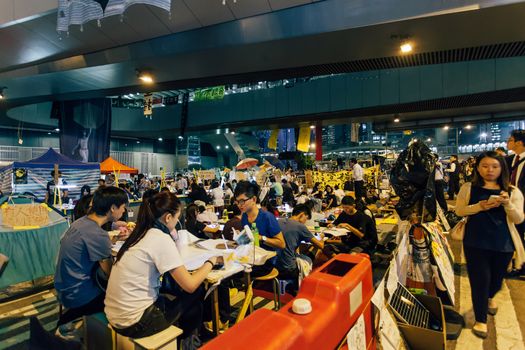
x=190 y=343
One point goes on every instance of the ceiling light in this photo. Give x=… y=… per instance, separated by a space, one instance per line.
x=226 y=146
x=49 y=133
x=218 y=131
x=396 y=120
x=233 y=132
x=446 y=127
x=312 y=126
x=2 y=92
x=483 y=134
x=20 y=141
x=429 y=139
x=218 y=147
x=145 y=77
x=312 y=145
x=138 y=141
x=181 y=137
x=406 y=48
x=160 y=139
x=57 y=129
x=468 y=126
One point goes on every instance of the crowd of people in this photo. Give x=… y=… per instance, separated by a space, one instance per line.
x=128 y=287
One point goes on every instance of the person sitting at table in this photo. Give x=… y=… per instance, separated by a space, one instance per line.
x=198 y=193
x=271 y=237
x=329 y=200
x=83 y=249
x=217 y=195
x=82 y=207
x=362 y=235
x=233 y=223
x=315 y=213
x=287 y=192
x=206 y=214
x=197 y=227
x=269 y=206
x=134 y=306
x=295 y=231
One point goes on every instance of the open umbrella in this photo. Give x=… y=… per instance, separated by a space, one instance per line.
x=246 y=163
x=275 y=162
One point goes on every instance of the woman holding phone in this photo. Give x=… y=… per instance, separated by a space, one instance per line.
x=493 y=207
x=134 y=306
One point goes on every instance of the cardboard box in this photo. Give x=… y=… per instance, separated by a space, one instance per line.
x=423 y=338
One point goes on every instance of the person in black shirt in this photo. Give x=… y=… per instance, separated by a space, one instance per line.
x=330 y=200
x=362 y=231
x=197 y=228
x=287 y=192
x=198 y=193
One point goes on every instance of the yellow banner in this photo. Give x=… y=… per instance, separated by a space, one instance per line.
x=303 y=143
x=272 y=141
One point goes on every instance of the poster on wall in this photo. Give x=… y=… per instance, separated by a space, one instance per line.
x=85 y=128
x=20 y=176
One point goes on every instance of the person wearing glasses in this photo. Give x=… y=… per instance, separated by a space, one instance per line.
x=271 y=237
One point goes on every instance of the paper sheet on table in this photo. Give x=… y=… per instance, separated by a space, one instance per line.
x=356 y=336
x=212 y=244
x=388 y=331
x=392 y=280
x=378 y=299
x=336 y=232
x=116 y=247
x=193 y=258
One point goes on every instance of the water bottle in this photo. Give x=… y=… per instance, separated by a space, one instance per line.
x=255 y=233
x=225 y=214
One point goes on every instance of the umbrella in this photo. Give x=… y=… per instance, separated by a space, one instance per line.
x=275 y=162
x=246 y=163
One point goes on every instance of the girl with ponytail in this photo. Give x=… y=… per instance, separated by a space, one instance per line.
x=134 y=306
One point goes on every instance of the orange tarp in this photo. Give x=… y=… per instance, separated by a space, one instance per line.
x=110 y=165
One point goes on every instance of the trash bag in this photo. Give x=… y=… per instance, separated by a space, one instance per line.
x=413 y=181
x=452 y=218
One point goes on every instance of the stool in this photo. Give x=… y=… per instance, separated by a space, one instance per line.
x=99 y=335
x=276 y=289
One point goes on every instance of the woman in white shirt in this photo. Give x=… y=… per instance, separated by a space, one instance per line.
x=217 y=194
x=134 y=306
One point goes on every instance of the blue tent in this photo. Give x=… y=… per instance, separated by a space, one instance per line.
x=38 y=173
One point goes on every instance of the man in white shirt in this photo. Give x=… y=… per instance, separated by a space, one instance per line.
x=440 y=186
x=516 y=144
x=357 y=176
x=453 y=177
x=182 y=184
x=339 y=194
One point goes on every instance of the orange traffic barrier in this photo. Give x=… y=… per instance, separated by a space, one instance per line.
x=339 y=292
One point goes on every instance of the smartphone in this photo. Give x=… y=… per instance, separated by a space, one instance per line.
x=493 y=198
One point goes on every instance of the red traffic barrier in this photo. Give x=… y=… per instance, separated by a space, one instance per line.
x=339 y=292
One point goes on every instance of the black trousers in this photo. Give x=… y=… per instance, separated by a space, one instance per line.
x=453 y=186
x=94 y=306
x=186 y=310
x=359 y=188
x=486 y=270
x=440 y=194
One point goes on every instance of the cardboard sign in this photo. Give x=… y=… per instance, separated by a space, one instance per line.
x=25 y=215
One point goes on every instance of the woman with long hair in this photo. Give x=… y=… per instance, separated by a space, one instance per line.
x=134 y=306
x=196 y=227
x=493 y=208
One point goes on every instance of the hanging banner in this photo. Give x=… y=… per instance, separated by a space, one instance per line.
x=214 y=93
x=354 y=132
x=85 y=128
x=148 y=105
x=303 y=143
x=272 y=141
